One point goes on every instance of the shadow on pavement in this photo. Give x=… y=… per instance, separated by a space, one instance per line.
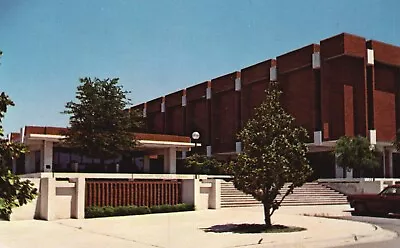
x=251 y=228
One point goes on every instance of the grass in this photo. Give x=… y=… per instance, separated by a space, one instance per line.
x=253 y=228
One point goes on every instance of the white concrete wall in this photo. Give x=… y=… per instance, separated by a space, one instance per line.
x=66 y=199
x=359 y=186
x=56 y=200
x=202 y=193
x=46 y=163
x=30 y=210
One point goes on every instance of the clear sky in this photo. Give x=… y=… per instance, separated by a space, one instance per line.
x=158 y=47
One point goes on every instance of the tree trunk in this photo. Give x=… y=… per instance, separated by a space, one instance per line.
x=267 y=217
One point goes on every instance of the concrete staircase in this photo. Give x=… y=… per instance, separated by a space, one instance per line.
x=308 y=194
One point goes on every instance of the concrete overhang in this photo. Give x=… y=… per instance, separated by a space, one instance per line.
x=154 y=144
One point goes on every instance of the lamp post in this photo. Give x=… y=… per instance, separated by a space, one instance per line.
x=195 y=137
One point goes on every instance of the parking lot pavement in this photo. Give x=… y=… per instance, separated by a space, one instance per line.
x=186 y=229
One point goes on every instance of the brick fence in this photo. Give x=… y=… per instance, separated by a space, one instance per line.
x=139 y=193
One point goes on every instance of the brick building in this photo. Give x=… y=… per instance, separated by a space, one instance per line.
x=345 y=85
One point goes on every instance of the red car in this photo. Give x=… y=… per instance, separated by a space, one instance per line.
x=387 y=201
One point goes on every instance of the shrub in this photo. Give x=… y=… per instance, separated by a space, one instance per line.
x=108 y=211
x=94 y=211
x=14 y=192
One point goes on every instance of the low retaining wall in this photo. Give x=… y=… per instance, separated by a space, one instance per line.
x=56 y=200
x=359 y=185
x=65 y=195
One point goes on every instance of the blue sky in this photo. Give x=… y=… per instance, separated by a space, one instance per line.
x=158 y=47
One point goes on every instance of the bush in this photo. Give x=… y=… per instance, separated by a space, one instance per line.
x=14 y=192
x=108 y=211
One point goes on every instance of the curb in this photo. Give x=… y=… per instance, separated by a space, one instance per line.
x=378 y=235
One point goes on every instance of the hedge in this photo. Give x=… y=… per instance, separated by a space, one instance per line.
x=108 y=211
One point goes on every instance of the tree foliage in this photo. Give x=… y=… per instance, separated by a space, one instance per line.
x=355 y=153
x=201 y=164
x=273 y=154
x=396 y=142
x=14 y=192
x=100 y=124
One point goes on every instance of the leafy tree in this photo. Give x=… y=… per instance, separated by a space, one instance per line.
x=14 y=192
x=203 y=164
x=355 y=153
x=396 y=142
x=100 y=124
x=273 y=154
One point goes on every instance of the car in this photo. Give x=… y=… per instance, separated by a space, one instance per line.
x=387 y=201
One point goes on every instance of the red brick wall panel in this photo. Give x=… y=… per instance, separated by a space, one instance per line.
x=154 y=105
x=224 y=83
x=385 y=53
x=348 y=110
x=385 y=78
x=385 y=116
x=223 y=121
x=385 y=102
x=196 y=92
x=298 y=97
x=139 y=193
x=174 y=99
x=336 y=121
x=343 y=44
x=155 y=122
x=256 y=72
x=174 y=120
x=255 y=80
x=297 y=58
x=344 y=70
x=332 y=47
x=354 y=45
x=252 y=96
x=34 y=129
x=197 y=119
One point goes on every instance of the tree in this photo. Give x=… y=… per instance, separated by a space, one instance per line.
x=14 y=192
x=273 y=154
x=396 y=142
x=100 y=124
x=203 y=164
x=355 y=153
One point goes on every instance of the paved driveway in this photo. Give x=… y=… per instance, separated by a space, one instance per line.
x=186 y=229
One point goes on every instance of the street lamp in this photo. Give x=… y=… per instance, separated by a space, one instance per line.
x=195 y=137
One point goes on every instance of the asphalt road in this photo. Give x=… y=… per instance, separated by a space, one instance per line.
x=391 y=223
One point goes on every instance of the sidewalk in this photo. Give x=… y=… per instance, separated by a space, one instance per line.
x=186 y=229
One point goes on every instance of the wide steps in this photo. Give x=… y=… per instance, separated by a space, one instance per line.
x=308 y=194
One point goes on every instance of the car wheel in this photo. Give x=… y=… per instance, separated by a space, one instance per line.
x=360 y=209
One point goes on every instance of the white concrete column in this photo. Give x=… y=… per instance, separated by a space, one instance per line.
x=387 y=162
x=14 y=166
x=78 y=200
x=390 y=161
x=215 y=194
x=46 y=162
x=191 y=191
x=146 y=163
x=29 y=162
x=384 y=162
x=170 y=160
x=349 y=173
x=338 y=169
x=47 y=198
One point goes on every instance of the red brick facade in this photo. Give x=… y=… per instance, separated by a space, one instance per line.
x=329 y=87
